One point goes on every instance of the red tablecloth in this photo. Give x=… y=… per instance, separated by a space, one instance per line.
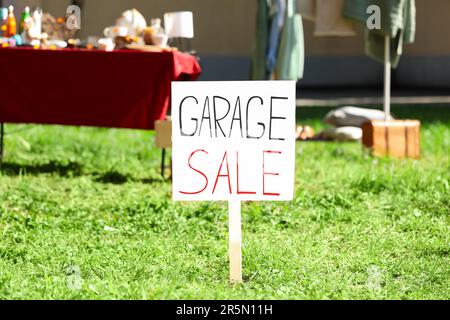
x=120 y=89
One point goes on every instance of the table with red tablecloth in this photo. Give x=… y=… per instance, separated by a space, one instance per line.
x=119 y=89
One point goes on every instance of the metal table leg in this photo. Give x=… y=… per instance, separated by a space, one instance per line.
x=163 y=162
x=2 y=137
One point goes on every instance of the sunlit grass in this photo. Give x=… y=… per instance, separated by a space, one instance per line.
x=90 y=201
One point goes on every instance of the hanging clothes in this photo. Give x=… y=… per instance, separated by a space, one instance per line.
x=279 y=47
x=276 y=26
x=291 y=55
x=398 y=21
x=327 y=16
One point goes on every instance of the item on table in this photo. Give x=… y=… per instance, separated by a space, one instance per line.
x=92 y=43
x=159 y=36
x=27 y=27
x=36 y=44
x=134 y=21
x=24 y=20
x=56 y=28
x=179 y=24
x=115 y=31
x=106 y=44
x=7 y=42
x=147 y=34
x=11 y=28
x=123 y=42
x=119 y=35
x=3 y=22
x=37 y=19
x=73 y=43
x=59 y=44
x=18 y=39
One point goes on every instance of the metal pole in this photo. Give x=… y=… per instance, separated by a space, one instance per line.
x=163 y=162
x=171 y=168
x=2 y=136
x=387 y=77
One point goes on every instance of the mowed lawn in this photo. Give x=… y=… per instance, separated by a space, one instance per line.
x=84 y=214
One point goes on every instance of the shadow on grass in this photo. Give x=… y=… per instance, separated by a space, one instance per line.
x=115 y=177
x=53 y=167
x=112 y=177
x=72 y=169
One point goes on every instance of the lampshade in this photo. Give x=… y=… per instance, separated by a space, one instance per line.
x=179 y=24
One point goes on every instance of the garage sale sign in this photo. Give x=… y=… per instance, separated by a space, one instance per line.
x=233 y=141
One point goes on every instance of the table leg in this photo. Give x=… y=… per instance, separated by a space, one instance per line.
x=163 y=162
x=2 y=136
x=171 y=169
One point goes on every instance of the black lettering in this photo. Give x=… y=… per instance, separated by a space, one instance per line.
x=208 y=117
x=217 y=120
x=275 y=118
x=181 y=121
x=236 y=108
x=259 y=123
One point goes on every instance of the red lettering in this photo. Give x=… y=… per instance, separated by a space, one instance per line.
x=225 y=157
x=268 y=173
x=237 y=177
x=196 y=170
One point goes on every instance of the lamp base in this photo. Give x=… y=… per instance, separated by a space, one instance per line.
x=183 y=44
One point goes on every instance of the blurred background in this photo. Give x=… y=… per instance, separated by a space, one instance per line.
x=224 y=37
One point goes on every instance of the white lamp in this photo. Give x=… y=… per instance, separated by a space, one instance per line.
x=179 y=24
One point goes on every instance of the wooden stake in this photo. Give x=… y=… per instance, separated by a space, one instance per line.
x=235 y=240
x=387 y=77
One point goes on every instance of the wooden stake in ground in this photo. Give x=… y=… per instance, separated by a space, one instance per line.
x=235 y=240
x=387 y=78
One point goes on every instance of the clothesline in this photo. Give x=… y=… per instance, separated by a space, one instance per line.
x=279 y=47
x=279 y=51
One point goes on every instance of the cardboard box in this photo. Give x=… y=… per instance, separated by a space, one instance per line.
x=394 y=138
x=163 y=130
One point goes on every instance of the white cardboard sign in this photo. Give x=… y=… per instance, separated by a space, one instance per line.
x=233 y=140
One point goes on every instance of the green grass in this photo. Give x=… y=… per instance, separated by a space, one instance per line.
x=90 y=201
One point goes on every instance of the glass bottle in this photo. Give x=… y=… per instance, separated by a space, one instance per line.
x=159 y=36
x=11 y=28
x=25 y=16
x=3 y=22
x=37 y=18
x=156 y=26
